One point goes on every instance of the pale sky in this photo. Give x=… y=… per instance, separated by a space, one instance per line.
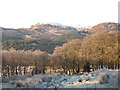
x=24 y=13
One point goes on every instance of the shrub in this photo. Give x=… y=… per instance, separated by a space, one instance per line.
x=20 y=83
x=47 y=79
x=79 y=80
x=103 y=78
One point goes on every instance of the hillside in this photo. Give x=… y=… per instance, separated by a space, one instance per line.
x=37 y=31
x=47 y=36
x=107 y=26
x=39 y=36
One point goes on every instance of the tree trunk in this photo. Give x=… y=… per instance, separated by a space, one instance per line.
x=8 y=70
x=43 y=69
x=36 y=70
x=16 y=70
x=118 y=62
x=24 y=70
x=78 y=68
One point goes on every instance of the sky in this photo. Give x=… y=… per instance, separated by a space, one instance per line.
x=24 y=13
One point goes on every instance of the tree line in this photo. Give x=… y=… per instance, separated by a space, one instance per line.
x=99 y=50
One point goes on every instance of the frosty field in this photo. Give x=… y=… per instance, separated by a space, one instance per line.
x=102 y=78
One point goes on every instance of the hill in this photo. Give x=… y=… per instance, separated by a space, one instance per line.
x=107 y=26
x=39 y=36
x=47 y=36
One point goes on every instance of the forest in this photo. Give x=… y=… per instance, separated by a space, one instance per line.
x=95 y=51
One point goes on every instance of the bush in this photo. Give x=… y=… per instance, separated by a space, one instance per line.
x=79 y=80
x=87 y=78
x=5 y=80
x=104 y=78
x=47 y=79
x=20 y=83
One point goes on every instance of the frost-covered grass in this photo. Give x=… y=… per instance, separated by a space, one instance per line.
x=98 y=79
